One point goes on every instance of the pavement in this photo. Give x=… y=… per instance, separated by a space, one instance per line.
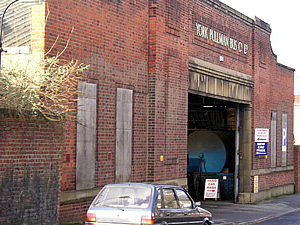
x=228 y=213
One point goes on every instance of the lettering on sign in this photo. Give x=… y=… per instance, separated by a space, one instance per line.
x=261 y=135
x=211 y=188
x=261 y=141
x=221 y=39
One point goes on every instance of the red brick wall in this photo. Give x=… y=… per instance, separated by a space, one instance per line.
x=145 y=46
x=111 y=37
x=208 y=13
x=273 y=180
x=74 y=211
x=38 y=28
x=274 y=86
x=168 y=84
x=273 y=91
x=30 y=153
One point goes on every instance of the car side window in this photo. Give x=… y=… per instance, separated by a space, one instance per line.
x=158 y=201
x=170 y=201
x=184 y=201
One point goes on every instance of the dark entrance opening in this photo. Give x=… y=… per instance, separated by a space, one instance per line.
x=211 y=144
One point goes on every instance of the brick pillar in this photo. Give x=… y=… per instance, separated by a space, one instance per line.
x=38 y=28
x=297 y=168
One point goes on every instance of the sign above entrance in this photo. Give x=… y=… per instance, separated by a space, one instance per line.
x=221 y=39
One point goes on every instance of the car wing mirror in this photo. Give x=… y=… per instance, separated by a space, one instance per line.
x=198 y=204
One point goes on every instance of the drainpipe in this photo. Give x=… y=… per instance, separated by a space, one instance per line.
x=237 y=155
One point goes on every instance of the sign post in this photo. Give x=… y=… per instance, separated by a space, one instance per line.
x=261 y=141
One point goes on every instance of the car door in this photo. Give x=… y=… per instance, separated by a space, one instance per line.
x=187 y=208
x=173 y=207
x=167 y=208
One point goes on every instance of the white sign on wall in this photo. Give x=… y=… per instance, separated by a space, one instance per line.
x=261 y=141
x=261 y=135
x=255 y=184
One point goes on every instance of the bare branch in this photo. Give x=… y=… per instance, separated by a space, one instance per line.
x=51 y=91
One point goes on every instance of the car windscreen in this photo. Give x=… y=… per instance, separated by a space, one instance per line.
x=124 y=197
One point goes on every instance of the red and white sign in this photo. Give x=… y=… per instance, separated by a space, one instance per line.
x=261 y=135
x=211 y=188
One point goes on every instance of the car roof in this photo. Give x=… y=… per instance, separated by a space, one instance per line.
x=168 y=186
x=146 y=185
x=131 y=184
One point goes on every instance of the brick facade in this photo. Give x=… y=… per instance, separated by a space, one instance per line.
x=115 y=46
x=145 y=46
x=74 y=211
x=297 y=142
x=297 y=168
x=297 y=119
x=273 y=85
x=29 y=170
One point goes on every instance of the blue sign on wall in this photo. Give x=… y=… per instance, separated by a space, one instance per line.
x=284 y=139
x=261 y=141
x=261 y=148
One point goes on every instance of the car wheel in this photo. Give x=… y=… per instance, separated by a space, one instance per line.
x=206 y=223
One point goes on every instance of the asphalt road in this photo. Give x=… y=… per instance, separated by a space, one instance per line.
x=288 y=219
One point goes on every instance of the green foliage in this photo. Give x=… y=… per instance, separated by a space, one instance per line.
x=49 y=90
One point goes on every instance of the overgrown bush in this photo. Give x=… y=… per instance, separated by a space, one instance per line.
x=49 y=90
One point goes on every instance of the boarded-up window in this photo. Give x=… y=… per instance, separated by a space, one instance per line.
x=284 y=138
x=123 y=135
x=86 y=136
x=273 y=138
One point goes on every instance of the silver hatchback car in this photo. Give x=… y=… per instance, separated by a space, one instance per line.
x=134 y=204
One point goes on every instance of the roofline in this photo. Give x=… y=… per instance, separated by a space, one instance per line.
x=256 y=22
x=286 y=67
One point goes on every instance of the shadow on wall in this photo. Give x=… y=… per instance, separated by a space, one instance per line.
x=29 y=197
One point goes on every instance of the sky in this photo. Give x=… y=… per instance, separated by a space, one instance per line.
x=282 y=17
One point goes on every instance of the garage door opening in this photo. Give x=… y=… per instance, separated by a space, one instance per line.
x=211 y=145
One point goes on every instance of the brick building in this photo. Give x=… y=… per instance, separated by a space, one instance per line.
x=168 y=80
x=297 y=119
x=297 y=139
